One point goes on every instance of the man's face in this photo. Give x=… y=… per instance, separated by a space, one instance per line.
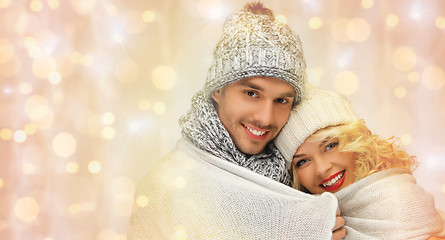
x=253 y=110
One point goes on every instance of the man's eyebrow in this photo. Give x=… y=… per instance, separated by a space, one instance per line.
x=256 y=87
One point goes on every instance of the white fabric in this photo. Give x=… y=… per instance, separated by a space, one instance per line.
x=388 y=205
x=191 y=194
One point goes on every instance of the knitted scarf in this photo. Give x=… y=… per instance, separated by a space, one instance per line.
x=202 y=127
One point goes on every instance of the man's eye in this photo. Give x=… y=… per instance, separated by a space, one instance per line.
x=281 y=100
x=251 y=94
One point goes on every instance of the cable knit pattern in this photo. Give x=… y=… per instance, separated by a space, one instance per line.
x=388 y=205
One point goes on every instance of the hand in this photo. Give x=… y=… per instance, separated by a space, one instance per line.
x=339 y=232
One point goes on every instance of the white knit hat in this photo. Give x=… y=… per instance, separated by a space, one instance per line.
x=254 y=43
x=318 y=109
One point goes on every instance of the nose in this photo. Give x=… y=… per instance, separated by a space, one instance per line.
x=264 y=113
x=322 y=166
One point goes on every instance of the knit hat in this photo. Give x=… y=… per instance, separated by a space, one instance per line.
x=254 y=43
x=318 y=109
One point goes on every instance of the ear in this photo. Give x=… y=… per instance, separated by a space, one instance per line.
x=216 y=95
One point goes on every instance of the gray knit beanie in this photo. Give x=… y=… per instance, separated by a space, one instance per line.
x=254 y=43
x=318 y=109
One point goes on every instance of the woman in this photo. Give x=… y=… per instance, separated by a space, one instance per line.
x=330 y=150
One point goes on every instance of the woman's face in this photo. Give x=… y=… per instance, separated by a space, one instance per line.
x=320 y=167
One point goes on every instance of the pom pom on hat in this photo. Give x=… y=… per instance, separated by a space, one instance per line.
x=318 y=109
x=254 y=43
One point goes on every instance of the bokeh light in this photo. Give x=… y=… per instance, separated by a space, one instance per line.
x=26 y=209
x=164 y=77
x=392 y=20
x=315 y=23
x=142 y=201
x=94 y=167
x=148 y=16
x=367 y=4
x=5 y=3
x=338 y=30
x=20 y=136
x=64 y=145
x=358 y=30
x=72 y=167
x=346 y=82
x=406 y=139
x=433 y=77
x=6 y=134
x=440 y=22
x=108 y=133
x=400 y=92
x=404 y=59
x=281 y=19
x=108 y=118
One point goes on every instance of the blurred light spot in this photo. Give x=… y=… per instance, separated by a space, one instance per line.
x=29 y=42
x=108 y=118
x=34 y=52
x=212 y=9
x=25 y=88
x=367 y=3
x=433 y=77
x=106 y=235
x=64 y=65
x=180 y=182
x=4 y=3
x=26 y=209
x=6 y=134
x=415 y=14
x=20 y=136
x=30 y=128
x=159 y=108
x=74 y=209
x=76 y=57
x=413 y=77
x=404 y=59
x=164 y=77
x=148 y=16
x=83 y=7
x=36 y=5
x=55 y=78
x=64 y=145
x=108 y=133
x=1 y=183
x=94 y=167
x=28 y=168
x=315 y=75
x=281 y=19
x=43 y=66
x=315 y=23
x=53 y=4
x=47 y=238
x=400 y=92
x=440 y=22
x=86 y=60
x=118 y=38
x=123 y=188
x=181 y=232
x=39 y=112
x=8 y=90
x=72 y=167
x=6 y=51
x=392 y=20
x=112 y=10
x=142 y=201
x=144 y=104
x=338 y=30
x=358 y=30
x=127 y=71
x=406 y=139
x=346 y=82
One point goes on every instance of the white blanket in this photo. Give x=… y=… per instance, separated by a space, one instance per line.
x=191 y=194
x=388 y=205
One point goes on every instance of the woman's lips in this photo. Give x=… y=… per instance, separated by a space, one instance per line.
x=334 y=182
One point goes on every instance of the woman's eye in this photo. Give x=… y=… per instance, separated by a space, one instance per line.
x=301 y=162
x=251 y=94
x=331 y=145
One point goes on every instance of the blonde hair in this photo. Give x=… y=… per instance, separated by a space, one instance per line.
x=372 y=153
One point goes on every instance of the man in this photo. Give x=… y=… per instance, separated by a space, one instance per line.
x=226 y=179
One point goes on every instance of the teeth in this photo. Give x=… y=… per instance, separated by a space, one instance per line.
x=333 y=181
x=255 y=132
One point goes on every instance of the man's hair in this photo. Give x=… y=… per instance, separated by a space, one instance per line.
x=371 y=152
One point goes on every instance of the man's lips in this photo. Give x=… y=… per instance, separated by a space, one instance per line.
x=334 y=182
x=254 y=133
